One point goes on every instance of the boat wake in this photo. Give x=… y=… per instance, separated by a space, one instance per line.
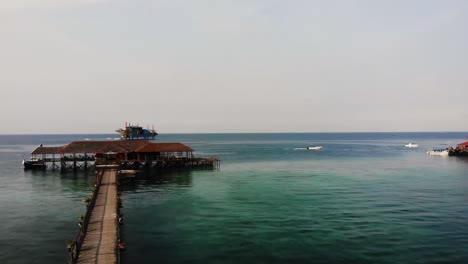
x=310 y=148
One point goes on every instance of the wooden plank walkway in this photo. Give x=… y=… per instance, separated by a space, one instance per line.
x=100 y=243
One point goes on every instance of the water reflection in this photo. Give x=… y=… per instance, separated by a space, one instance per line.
x=461 y=159
x=151 y=179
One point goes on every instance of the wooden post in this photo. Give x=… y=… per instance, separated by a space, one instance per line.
x=86 y=161
x=74 y=161
x=62 y=162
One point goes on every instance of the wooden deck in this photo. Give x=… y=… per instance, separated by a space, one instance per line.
x=100 y=242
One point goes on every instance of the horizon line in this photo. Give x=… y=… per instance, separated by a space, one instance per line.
x=220 y=133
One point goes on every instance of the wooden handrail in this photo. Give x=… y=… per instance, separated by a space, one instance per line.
x=74 y=251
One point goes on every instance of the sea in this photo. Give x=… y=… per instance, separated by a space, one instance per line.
x=364 y=198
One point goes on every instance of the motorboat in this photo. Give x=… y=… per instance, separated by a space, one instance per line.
x=34 y=163
x=411 y=145
x=315 y=148
x=438 y=152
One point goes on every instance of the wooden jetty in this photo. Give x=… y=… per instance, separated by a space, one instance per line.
x=460 y=150
x=98 y=238
x=128 y=154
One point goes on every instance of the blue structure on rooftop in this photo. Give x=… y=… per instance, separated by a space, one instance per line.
x=136 y=132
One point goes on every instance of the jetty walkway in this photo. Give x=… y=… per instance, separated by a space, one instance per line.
x=100 y=243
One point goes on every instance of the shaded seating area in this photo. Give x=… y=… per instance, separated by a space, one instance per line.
x=127 y=153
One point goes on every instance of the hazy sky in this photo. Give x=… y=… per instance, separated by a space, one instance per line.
x=88 y=66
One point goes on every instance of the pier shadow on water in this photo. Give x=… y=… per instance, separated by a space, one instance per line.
x=153 y=178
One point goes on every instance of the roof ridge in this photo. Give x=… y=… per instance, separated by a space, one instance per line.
x=149 y=143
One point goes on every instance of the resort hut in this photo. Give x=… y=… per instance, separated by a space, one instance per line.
x=47 y=153
x=164 y=151
x=463 y=145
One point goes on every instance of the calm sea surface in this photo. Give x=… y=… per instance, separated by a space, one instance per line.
x=364 y=198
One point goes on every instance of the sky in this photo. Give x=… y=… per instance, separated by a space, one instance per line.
x=229 y=66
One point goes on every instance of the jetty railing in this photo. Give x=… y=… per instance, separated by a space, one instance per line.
x=164 y=162
x=119 y=215
x=74 y=249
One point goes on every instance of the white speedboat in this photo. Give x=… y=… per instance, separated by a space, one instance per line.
x=411 y=145
x=438 y=152
x=315 y=148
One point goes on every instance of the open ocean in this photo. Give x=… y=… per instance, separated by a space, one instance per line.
x=364 y=198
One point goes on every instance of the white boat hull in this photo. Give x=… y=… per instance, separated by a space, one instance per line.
x=411 y=145
x=437 y=152
x=315 y=148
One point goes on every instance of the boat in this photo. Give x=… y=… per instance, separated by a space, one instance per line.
x=34 y=164
x=136 y=132
x=438 y=152
x=315 y=148
x=411 y=145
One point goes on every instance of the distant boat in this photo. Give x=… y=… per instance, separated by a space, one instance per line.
x=438 y=152
x=411 y=145
x=34 y=163
x=315 y=148
x=136 y=132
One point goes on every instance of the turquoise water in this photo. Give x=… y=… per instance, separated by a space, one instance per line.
x=363 y=199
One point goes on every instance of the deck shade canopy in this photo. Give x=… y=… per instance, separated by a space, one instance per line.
x=124 y=146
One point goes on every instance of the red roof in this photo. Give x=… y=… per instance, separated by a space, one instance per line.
x=118 y=146
x=464 y=144
x=132 y=145
x=165 y=147
x=85 y=146
x=112 y=148
x=47 y=150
